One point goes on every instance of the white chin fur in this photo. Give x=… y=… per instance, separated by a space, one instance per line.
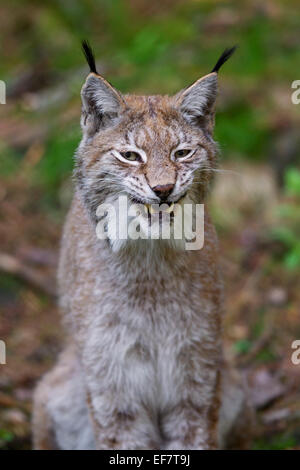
x=126 y=227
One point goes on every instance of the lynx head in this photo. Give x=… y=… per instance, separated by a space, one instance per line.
x=151 y=149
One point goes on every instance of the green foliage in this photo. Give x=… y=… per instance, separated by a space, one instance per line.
x=292 y=182
x=5 y=437
x=278 y=442
x=57 y=163
x=265 y=355
x=9 y=161
x=288 y=229
x=240 y=131
x=8 y=283
x=242 y=346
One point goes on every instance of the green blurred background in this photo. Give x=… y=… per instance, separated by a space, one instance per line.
x=155 y=47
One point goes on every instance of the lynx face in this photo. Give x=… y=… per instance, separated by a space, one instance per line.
x=151 y=149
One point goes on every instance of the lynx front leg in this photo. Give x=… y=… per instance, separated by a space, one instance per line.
x=120 y=385
x=117 y=427
x=187 y=427
x=192 y=424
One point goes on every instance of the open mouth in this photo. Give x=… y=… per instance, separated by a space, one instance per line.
x=156 y=208
x=159 y=209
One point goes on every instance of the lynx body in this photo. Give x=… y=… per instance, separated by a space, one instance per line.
x=143 y=365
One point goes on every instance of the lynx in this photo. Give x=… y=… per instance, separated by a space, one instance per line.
x=143 y=366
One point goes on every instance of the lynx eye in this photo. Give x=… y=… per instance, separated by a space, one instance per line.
x=131 y=156
x=182 y=153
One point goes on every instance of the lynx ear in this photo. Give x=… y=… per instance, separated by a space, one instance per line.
x=101 y=102
x=197 y=101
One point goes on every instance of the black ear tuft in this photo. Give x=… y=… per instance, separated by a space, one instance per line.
x=89 y=55
x=224 y=57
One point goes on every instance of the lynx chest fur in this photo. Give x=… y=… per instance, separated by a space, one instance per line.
x=147 y=315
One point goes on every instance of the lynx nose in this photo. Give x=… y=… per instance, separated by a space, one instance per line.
x=163 y=190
